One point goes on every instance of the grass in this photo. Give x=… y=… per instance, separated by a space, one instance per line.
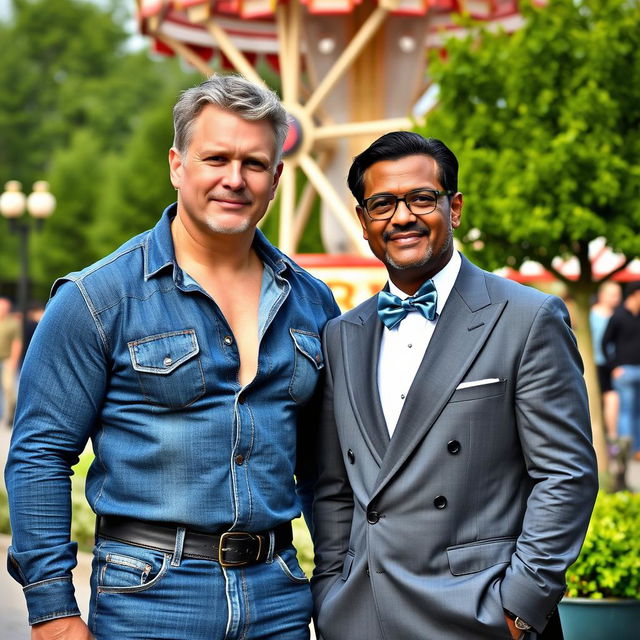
x=83 y=521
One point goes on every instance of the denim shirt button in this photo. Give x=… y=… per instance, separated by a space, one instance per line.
x=242 y=398
x=167 y=361
x=239 y=459
x=228 y=340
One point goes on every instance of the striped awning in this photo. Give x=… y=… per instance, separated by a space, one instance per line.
x=251 y=23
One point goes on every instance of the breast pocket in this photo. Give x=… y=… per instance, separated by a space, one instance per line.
x=169 y=368
x=307 y=364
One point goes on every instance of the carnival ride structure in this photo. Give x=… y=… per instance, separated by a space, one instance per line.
x=349 y=71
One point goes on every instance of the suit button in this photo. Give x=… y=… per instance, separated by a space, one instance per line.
x=373 y=517
x=351 y=456
x=453 y=447
x=439 y=502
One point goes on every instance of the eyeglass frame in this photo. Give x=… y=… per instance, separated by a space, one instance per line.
x=403 y=198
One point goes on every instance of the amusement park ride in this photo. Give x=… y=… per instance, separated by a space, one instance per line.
x=350 y=70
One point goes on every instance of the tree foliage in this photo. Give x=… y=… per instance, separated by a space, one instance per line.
x=546 y=124
x=75 y=106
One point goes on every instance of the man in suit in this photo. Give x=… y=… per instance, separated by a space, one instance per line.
x=456 y=471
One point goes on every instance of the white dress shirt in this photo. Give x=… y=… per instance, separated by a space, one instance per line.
x=403 y=347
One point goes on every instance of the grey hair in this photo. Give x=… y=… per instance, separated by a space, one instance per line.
x=232 y=93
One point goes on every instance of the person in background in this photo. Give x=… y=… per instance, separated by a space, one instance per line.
x=34 y=315
x=621 y=346
x=190 y=357
x=10 y=352
x=609 y=297
x=456 y=470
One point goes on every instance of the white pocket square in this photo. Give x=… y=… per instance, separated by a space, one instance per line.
x=477 y=383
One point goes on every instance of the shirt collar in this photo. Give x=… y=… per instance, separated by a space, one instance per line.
x=443 y=281
x=159 y=252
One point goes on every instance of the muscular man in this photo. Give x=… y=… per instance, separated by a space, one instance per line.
x=457 y=475
x=188 y=357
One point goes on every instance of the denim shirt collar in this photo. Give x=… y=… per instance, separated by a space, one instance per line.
x=159 y=252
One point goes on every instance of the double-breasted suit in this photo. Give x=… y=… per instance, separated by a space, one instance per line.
x=481 y=498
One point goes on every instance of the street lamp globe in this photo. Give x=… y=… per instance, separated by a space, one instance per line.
x=40 y=202
x=12 y=201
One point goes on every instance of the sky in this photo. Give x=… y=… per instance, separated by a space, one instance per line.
x=136 y=41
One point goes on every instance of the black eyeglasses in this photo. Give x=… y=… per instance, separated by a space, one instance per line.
x=419 y=201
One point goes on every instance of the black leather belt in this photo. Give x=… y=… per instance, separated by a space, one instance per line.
x=230 y=549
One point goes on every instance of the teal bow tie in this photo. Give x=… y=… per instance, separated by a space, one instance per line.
x=392 y=309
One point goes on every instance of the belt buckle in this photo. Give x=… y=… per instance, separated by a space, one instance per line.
x=222 y=549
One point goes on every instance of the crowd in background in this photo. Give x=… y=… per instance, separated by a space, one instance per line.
x=15 y=335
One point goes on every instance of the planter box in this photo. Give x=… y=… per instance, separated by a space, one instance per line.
x=588 y=619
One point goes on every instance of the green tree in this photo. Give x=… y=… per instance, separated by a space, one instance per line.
x=73 y=93
x=137 y=185
x=546 y=124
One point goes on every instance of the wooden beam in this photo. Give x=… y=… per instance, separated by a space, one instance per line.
x=236 y=57
x=287 y=208
x=351 y=52
x=185 y=52
x=309 y=194
x=362 y=128
x=345 y=218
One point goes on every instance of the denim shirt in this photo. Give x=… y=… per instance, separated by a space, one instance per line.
x=133 y=354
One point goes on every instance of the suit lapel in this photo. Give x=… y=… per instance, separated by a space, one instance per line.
x=361 y=348
x=466 y=322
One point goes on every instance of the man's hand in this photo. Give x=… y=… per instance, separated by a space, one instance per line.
x=516 y=634
x=617 y=372
x=72 y=628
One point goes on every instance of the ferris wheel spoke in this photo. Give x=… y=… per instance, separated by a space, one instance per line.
x=236 y=57
x=287 y=207
x=185 y=52
x=309 y=194
x=371 y=127
x=347 y=57
x=333 y=200
x=288 y=20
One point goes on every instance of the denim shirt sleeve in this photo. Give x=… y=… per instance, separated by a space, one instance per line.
x=62 y=384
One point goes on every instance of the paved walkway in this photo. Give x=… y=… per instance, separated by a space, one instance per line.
x=12 y=606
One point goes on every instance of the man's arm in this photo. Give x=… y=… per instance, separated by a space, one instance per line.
x=70 y=628
x=333 y=501
x=554 y=428
x=61 y=390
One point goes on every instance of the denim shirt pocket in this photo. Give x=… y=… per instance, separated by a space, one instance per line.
x=307 y=364
x=168 y=367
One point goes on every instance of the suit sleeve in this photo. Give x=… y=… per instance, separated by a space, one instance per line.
x=553 y=423
x=333 y=501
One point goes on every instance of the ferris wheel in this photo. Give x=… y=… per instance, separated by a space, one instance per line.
x=350 y=70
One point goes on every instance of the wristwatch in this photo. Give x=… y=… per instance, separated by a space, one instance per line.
x=518 y=621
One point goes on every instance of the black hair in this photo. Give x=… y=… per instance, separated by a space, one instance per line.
x=400 y=144
x=631 y=288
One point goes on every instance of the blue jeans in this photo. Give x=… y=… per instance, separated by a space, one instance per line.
x=628 y=387
x=140 y=594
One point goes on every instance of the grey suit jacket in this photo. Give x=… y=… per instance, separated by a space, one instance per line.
x=481 y=499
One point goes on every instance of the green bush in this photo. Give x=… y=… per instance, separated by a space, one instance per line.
x=4 y=513
x=609 y=564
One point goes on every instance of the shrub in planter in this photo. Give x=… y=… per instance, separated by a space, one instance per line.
x=609 y=563
x=603 y=594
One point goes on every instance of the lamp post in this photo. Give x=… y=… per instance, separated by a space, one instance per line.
x=40 y=205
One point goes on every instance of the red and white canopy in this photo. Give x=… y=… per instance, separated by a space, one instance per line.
x=252 y=28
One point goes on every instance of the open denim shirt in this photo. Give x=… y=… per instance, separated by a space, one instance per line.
x=133 y=354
